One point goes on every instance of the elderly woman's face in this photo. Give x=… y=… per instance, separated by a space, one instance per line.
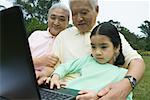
x=57 y=21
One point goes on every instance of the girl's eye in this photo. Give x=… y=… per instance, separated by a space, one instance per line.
x=103 y=47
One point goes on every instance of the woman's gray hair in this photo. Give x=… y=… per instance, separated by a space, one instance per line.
x=59 y=5
x=93 y=3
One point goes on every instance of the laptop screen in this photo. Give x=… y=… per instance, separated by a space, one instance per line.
x=17 y=78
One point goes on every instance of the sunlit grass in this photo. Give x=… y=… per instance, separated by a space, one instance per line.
x=142 y=90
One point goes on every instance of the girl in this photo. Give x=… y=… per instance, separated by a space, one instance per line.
x=98 y=69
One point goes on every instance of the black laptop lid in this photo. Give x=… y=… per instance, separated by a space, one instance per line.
x=16 y=68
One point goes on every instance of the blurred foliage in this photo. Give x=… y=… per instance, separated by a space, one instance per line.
x=35 y=14
x=142 y=90
x=137 y=42
x=145 y=28
x=144 y=53
x=34 y=24
x=36 y=8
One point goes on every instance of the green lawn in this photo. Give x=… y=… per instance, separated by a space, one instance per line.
x=142 y=90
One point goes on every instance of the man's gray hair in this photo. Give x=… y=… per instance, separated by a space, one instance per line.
x=93 y=3
x=59 y=5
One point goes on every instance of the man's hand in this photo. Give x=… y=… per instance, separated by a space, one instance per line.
x=43 y=74
x=40 y=77
x=87 y=95
x=116 y=91
x=46 y=60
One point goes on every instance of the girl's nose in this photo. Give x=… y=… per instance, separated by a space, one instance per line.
x=98 y=52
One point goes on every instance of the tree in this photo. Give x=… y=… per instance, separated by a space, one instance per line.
x=36 y=8
x=35 y=13
x=33 y=24
x=116 y=23
x=145 y=28
x=131 y=37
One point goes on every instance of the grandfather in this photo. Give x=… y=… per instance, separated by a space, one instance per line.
x=74 y=43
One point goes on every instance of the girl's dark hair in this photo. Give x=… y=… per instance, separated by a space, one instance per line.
x=110 y=31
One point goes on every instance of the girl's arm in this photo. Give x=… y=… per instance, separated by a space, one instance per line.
x=70 y=67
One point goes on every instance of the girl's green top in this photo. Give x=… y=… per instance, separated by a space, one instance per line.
x=93 y=75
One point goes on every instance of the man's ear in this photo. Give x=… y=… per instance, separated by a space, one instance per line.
x=97 y=9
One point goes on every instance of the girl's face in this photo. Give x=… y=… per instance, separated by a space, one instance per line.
x=102 y=49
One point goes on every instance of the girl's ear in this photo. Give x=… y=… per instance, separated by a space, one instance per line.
x=117 y=50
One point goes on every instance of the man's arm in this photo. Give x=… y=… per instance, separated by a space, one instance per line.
x=136 y=67
x=46 y=60
x=121 y=89
x=41 y=75
x=133 y=60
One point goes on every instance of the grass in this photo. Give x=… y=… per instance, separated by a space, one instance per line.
x=142 y=90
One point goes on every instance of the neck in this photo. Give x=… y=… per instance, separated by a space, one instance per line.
x=111 y=61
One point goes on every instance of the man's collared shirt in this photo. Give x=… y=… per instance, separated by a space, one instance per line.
x=41 y=43
x=70 y=44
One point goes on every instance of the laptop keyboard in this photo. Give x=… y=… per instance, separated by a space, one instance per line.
x=54 y=95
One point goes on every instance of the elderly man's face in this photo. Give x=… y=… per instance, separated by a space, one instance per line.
x=57 y=21
x=83 y=15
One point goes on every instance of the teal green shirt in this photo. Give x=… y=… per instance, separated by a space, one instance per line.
x=93 y=75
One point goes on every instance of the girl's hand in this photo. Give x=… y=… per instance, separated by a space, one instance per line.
x=87 y=95
x=55 y=81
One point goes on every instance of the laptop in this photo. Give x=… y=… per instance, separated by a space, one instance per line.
x=17 y=76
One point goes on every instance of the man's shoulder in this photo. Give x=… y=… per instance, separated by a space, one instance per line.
x=37 y=33
x=68 y=31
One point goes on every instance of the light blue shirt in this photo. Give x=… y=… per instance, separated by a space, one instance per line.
x=93 y=75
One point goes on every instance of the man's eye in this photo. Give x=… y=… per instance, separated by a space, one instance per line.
x=83 y=13
x=53 y=17
x=74 y=14
x=93 y=47
x=62 y=19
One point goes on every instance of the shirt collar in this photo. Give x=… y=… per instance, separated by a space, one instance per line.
x=49 y=35
x=78 y=32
